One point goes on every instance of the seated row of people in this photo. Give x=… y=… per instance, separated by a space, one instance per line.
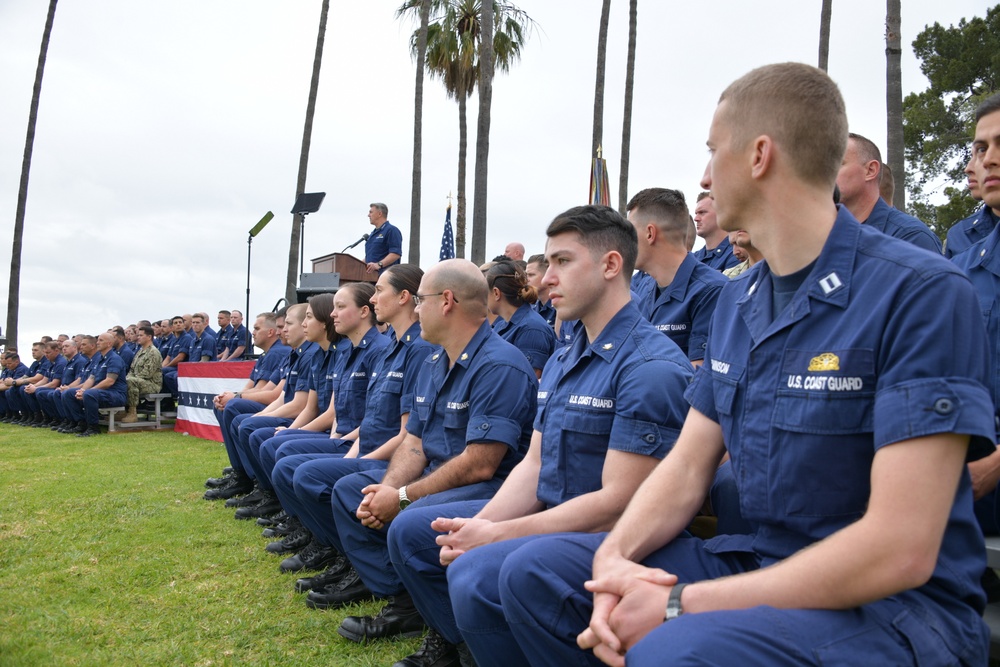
x=486 y=519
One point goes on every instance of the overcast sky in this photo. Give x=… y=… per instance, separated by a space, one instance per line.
x=166 y=130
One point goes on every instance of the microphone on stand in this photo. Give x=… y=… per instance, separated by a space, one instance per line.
x=364 y=237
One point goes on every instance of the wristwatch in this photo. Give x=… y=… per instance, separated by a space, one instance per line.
x=674 y=608
x=237 y=394
x=380 y=265
x=404 y=501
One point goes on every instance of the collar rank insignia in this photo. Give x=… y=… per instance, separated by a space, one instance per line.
x=608 y=346
x=827 y=361
x=464 y=356
x=435 y=357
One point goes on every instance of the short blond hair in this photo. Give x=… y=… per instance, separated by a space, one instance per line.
x=800 y=108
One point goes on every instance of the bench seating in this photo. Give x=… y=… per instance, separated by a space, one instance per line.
x=155 y=417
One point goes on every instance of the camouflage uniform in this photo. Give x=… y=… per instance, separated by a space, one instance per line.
x=145 y=376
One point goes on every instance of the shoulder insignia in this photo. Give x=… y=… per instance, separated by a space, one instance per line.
x=827 y=361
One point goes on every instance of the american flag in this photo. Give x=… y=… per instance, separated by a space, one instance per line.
x=447 y=239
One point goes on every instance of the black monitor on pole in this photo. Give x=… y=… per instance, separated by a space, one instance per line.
x=305 y=203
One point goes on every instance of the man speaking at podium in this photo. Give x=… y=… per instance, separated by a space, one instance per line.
x=384 y=246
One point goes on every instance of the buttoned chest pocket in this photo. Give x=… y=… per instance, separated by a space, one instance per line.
x=584 y=448
x=456 y=419
x=823 y=422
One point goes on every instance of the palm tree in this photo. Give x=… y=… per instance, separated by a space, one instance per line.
x=824 y=34
x=14 y=287
x=453 y=38
x=300 y=185
x=418 y=119
x=627 y=116
x=602 y=52
x=894 y=100
x=482 y=138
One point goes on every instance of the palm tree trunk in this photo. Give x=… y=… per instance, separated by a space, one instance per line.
x=824 y=34
x=633 y=18
x=14 y=287
x=300 y=184
x=894 y=100
x=483 y=135
x=463 y=147
x=418 y=119
x=602 y=51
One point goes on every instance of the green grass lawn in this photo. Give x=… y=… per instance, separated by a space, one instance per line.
x=109 y=556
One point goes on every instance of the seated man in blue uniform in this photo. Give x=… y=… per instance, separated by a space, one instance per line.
x=858 y=180
x=384 y=246
x=846 y=375
x=52 y=378
x=15 y=395
x=224 y=334
x=106 y=387
x=537 y=265
x=717 y=253
x=176 y=352
x=682 y=297
x=610 y=406
x=265 y=383
x=982 y=264
x=13 y=370
x=236 y=350
x=202 y=342
x=67 y=392
x=50 y=399
x=967 y=232
x=473 y=405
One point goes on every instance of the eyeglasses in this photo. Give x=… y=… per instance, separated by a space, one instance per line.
x=419 y=298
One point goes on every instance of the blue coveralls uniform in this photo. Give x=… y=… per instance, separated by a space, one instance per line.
x=178 y=345
x=966 y=233
x=981 y=263
x=300 y=361
x=50 y=371
x=321 y=378
x=488 y=395
x=15 y=398
x=546 y=311
x=202 y=346
x=127 y=354
x=528 y=332
x=624 y=391
x=642 y=284
x=683 y=309
x=383 y=241
x=47 y=398
x=65 y=398
x=17 y=373
x=94 y=399
x=880 y=344
x=164 y=343
x=37 y=402
x=720 y=257
x=304 y=482
x=239 y=337
x=349 y=387
x=897 y=224
x=271 y=366
x=222 y=340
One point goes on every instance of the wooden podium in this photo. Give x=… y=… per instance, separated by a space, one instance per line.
x=350 y=268
x=330 y=272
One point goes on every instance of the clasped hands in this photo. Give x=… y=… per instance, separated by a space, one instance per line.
x=630 y=600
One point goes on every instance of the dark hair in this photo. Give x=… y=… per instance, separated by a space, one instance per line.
x=601 y=229
x=667 y=208
x=321 y=306
x=225 y=312
x=404 y=277
x=53 y=345
x=512 y=282
x=280 y=313
x=145 y=329
x=988 y=106
x=361 y=295
x=702 y=195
